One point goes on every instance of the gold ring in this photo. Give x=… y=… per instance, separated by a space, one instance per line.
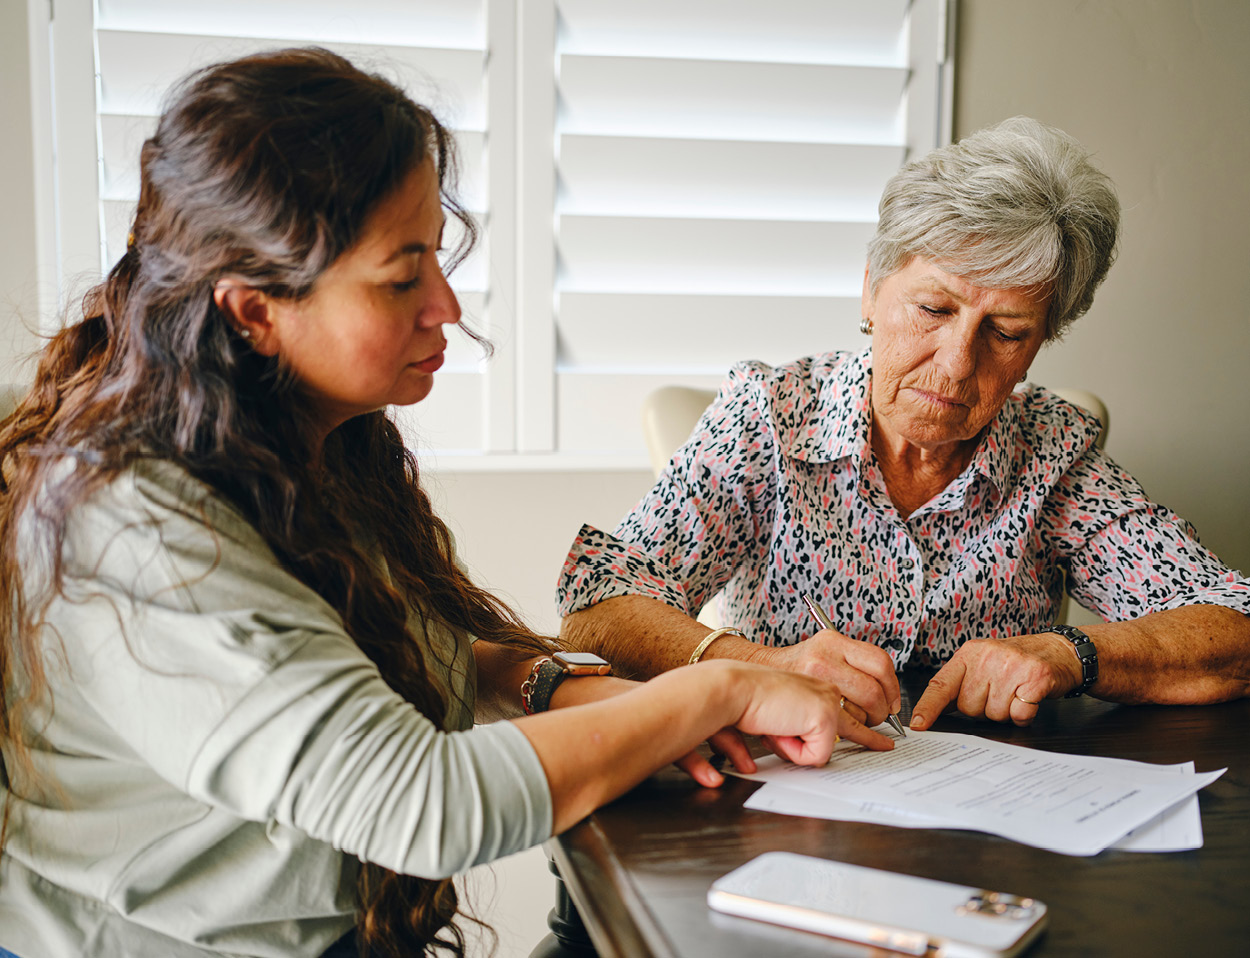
x=1025 y=701
x=842 y=703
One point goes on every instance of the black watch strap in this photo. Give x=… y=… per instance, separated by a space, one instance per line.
x=1083 y=645
x=546 y=679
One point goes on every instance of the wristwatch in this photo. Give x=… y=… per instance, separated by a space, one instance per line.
x=547 y=674
x=1085 y=651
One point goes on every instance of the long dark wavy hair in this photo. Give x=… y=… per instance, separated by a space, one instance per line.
x=263 y=168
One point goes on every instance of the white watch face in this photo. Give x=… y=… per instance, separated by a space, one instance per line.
x=582 y=663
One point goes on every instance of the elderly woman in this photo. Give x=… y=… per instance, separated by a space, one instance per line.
x=931 y=506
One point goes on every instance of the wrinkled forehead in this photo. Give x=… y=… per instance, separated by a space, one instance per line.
x=923 y=276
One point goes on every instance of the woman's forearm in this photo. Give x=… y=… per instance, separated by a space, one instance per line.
x=1188 y=656
x=594 y=752
x=643 y=637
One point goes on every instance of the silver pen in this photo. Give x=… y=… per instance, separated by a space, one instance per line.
x=827 y=623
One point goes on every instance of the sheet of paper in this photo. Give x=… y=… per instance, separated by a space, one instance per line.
x=1072 y=804
x=1177 y=829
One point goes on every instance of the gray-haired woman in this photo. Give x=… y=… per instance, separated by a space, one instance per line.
x=930 y=505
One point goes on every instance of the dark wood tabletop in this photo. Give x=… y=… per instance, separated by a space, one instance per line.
x=639 y=869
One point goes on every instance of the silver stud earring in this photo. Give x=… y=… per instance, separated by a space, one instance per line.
x=245 y=332
x=865 y=326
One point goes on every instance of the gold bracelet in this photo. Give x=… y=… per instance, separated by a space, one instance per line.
x=708 y=640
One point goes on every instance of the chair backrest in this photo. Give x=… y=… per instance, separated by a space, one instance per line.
x=668 y=417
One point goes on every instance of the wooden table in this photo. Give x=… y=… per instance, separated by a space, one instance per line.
x=639 y=869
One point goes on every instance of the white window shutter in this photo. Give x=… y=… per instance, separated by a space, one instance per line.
x=665 y=186
x=719 y=164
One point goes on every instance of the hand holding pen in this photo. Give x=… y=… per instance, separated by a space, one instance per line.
x=826 y=623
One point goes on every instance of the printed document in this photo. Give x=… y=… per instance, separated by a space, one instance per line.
x=1074 y=804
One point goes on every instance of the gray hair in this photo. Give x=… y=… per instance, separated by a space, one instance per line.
x=1016 y=205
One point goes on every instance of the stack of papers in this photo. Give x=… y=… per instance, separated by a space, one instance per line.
x=1072 y=804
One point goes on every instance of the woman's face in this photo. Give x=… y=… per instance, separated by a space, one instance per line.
x=370 y=333
x=946 y=353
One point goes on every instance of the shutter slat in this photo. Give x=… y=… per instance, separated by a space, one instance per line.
x=121 y=139
x=718 y=178
x=136 y=70
x=704 y=334
x=743 y=257
x=646 y=96
x=796 y=31
x=598 y=413
x=463 y=354
x=442 y=23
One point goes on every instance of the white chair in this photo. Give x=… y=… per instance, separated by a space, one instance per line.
x=669 y=415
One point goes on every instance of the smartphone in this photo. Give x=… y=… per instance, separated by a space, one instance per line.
x=915 y=916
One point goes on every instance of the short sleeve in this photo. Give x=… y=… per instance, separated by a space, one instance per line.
x=706 y=512
x=1128 y=556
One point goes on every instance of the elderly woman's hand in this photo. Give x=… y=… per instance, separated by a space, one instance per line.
x=862 y=671
x=1000 y=679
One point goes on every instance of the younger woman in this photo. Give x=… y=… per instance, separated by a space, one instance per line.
x=240 y=663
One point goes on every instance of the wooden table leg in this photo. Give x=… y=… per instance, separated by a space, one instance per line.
x=568 y=938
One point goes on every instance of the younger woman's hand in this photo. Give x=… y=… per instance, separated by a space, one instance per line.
x=727 y=742
x=801 y=716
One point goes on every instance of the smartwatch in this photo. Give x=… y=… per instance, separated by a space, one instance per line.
x=547 y=674
x=1083 y=645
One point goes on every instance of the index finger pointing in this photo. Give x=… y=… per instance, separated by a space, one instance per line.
x=942 y=689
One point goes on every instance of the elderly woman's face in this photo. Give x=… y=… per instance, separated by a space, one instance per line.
x=946 y=353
